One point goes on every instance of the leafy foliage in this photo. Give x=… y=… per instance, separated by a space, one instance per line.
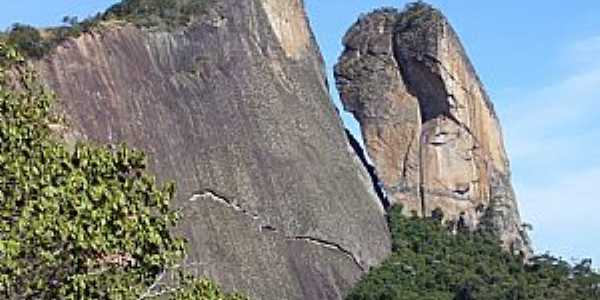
x=418 y=25
x=194 y=289
x=34 y=43
x=156 y=12
x=165 y=14
x=429 y=262
x=27 y=39
x=419 y=12
x=86 y=223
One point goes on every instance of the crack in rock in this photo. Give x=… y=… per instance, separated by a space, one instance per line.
x=263 y=226
x=444 y=69
x=329 y=245
x=220 y=199
x=407 y=154
x=371 y=171
x=401 y=187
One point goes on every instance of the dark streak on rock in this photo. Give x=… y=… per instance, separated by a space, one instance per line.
x=370 y=169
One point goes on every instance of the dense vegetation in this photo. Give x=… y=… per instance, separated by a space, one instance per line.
x=81 y=223
x=35 y=43
x=164 y=14
x=428 y=262
x=418 y=12
x=150 y=13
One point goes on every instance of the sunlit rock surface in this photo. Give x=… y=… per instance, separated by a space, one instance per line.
x=428 y=124
x=234 y=107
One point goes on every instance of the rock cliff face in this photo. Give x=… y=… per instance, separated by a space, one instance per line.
x=427 y=122
x=235 y=108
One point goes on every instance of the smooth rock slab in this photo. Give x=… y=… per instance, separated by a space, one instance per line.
x=233 y=106
x=427 y=122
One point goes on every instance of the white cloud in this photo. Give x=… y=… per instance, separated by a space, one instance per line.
x=553 y=140
x=559 y=115
x=585 y=51
x=565 y=214
x=569 y=202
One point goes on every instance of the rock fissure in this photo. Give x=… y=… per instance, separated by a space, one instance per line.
x=429 y=61
x=330 y=245
x=224 y=201
x=445 y=69
x=456 y=194
x=375 y=181
x=263 y=226
x=401 y=187
x=405 y=161
x=421 y=178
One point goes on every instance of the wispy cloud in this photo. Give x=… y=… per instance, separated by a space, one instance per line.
x=578 y=208
x=554 y=116
x=585 y=51
x=553 y=139
x=565 y=214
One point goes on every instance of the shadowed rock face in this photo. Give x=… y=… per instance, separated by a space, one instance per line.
x=427 y=122
x=235 y=108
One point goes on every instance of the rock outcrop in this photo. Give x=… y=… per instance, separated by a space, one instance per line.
x=235 y=108
x=427 y=122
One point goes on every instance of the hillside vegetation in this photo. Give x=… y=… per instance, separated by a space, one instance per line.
x=164 y=14
x=83 y=223
x=429 y=262
x=149 y=13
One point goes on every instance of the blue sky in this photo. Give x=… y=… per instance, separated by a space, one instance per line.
x=540 y=63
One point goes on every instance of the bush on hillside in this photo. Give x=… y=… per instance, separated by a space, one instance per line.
x=156 y=12
x=429 y=262
x=164 y=14
x=27 y=40
x=32 y=43
x=82 y=223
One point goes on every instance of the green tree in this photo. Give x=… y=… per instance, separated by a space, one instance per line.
x=82 y=223
x=27 y=40
x=163 y=14
x=429 y=262
x=156 y=12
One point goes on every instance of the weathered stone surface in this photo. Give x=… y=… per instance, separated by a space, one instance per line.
x=427 y=122
x=235 y=108
x=372 y=89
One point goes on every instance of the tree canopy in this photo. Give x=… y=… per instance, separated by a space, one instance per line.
x=165 y=14
x=82 y=223
x=429 y=262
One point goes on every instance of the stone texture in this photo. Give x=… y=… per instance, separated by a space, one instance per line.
x=235 y=108
x=427 y=122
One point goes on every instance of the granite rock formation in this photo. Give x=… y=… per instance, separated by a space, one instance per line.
x=428 y=124
x=235 y=108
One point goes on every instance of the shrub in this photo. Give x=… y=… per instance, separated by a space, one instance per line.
x=165 y=14
x=428 y=262
x=27 y=40
x=30 y=42
x=86 y=223
x=156 y=12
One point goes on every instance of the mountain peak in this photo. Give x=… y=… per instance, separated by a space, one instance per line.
x=427 y=122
